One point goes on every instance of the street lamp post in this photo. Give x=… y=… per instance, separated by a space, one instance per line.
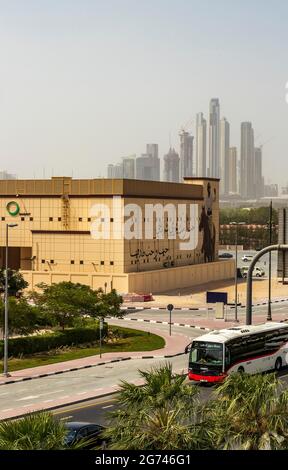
x=6 y=331
x=101 y=324
x=269 y=315
x=236 y=266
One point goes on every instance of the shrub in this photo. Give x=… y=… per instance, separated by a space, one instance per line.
x=34 y=344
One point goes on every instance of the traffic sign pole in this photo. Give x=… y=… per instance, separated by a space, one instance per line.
x=170 y=307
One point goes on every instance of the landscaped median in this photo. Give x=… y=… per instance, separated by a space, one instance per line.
x=76 y=343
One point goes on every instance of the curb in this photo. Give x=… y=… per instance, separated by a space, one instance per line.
x=201 y=309
x=163 y=323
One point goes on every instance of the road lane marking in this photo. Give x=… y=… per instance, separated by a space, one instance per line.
x=108 y=406
x=7 y=409
x=32 y=397
x=81 y=407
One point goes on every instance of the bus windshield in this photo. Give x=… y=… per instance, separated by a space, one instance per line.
x=206 y=353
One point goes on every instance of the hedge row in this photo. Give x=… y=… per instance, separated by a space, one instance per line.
x=35 y=344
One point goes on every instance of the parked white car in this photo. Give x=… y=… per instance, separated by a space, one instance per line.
x=257 y=271
x=247 y=258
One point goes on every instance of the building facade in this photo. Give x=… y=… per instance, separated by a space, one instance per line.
x=59 y=222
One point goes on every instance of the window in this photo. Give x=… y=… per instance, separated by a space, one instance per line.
x=22 y=218
x=2 y=218
x=89 y=219
x=72 y=261
x=102 y=263
x=111 y=263
x=111 y=220
x=102 y=219
x=52 y=261
x=81 y=261
x=50 y=219
x=31 y=219
x=80 y=219
x=43 y=261
x=59 y=219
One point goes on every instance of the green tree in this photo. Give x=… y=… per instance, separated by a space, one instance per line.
x=16 y=282
x=162 y=414
x=250 y=412
x=67 y=302
x=22 y=317
x=37 y=431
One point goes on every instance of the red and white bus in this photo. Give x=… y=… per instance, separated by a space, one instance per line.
x=251 y=349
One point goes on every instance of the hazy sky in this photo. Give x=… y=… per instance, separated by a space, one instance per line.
x=84 y=82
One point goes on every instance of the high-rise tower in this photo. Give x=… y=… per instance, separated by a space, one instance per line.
x=214 y=118
x=224 y=155
x=247 y=162
x=200 y=145
x=186 y=154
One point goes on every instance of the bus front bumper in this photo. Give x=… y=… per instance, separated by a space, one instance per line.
x=206 y=378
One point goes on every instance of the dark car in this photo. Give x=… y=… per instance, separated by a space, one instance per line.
x=225 y=255
x=88 y=434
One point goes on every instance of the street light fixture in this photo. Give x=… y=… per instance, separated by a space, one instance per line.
x=236 y=224
x=6 y=332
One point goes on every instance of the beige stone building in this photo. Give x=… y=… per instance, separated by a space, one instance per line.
x=59 y=221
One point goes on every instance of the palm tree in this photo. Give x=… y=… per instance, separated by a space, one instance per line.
x=162 y=414
x=37 y=431
x=250 y=412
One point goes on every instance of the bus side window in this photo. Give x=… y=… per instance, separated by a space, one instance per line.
x=227 y=357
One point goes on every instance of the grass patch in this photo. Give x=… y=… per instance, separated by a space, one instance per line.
x=125 y=340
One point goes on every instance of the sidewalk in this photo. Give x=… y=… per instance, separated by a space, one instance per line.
x=196 y=296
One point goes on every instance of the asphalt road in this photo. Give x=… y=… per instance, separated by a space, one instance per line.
x=97 y=411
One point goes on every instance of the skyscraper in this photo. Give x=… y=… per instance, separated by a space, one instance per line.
x=171 y=166
x=247 y=161
x=259 y=184
x=214 y=117
x=200 y=145
x=115 y=171
x=186 y=154
x=129 y=167
x=224 y=155
x=152 y=150
x=233 y=186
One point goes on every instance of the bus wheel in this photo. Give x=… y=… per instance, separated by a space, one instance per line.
x=278 y=364
x=240 y=370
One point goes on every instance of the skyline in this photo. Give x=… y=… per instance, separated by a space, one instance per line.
x=84 y=85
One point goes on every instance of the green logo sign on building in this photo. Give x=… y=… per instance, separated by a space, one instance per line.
x=13 y=208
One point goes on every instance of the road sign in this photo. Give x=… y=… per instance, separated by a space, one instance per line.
x=170 y=307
